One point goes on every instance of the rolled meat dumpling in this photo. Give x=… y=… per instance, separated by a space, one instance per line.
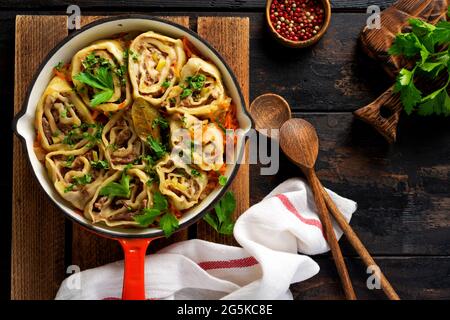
x=119 y=198
x=58 y=113
x=154 y=64
x=76 y=174
x=200 y=91
x=123 y=146
x=99 y=73
x=181 y=183
x=203 y=145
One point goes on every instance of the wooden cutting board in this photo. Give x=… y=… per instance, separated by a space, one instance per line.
x=384 y=113
x=44 y=243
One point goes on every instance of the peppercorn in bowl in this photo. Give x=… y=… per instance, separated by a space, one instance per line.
x=298 y=23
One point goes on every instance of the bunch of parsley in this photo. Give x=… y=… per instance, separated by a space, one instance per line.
x=429 y=46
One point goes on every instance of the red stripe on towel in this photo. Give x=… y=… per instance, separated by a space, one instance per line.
x=228 y=264
x=290 y=206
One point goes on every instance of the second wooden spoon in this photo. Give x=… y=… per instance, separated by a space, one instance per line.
x=300 y=143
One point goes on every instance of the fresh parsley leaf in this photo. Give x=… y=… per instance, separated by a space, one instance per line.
x=428 y=46
x=160 y=202
x=223 y=180
x=165 y=84
x=114 y=189
x=102 y=81
x=147 y=216
x=409 y=94
x=222 y=221
x=406 y=44
x=102 y=97
x=168 y=223
x=441 y=34
x=195 y=173
x=100 y=164
x=90 y=80
x=157 y=147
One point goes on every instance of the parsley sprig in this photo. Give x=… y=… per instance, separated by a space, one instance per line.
x=168 y=222
x=102 y=81
x=429 y=46
x=222 y=221
x=121 y=189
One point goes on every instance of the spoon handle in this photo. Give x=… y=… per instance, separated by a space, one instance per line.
x=330 y=236
x=358 y=245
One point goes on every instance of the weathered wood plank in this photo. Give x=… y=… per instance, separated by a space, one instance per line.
x=175 y=4
x=37 y=265
x=402 y=191
x=412 y=277
x=230 y=37
x=90 y=250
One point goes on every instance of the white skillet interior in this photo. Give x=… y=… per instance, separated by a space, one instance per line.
x=25 y=125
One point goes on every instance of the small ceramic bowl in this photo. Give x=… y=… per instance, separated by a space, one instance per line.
x=301 y=43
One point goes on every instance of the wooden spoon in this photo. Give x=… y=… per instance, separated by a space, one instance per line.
x=269 y=111
x=299 y=141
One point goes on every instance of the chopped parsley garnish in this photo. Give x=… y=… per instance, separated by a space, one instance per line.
x=59 y=66
x=100 y=164
x=134 y=55
x=82 y=180
x=194 y=85
x=161 y=122
x=223 y=180
x=195 y=173
x=80 y=132
x=186 y=93
x=196 y=82
x=69 y=188
x=69 y=161
x=165 y=84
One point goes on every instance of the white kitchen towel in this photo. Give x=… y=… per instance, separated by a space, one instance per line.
x=272 y=233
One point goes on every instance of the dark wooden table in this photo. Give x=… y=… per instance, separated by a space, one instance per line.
x=403 y=191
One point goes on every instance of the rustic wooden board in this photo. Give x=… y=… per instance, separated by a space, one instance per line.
x=90 y=250
x=85 y=249
x=230 y=36
x=37 y=263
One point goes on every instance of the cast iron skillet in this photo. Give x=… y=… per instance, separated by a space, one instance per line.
x=133 y=241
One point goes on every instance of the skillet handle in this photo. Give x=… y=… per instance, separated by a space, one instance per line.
x=133 y=278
